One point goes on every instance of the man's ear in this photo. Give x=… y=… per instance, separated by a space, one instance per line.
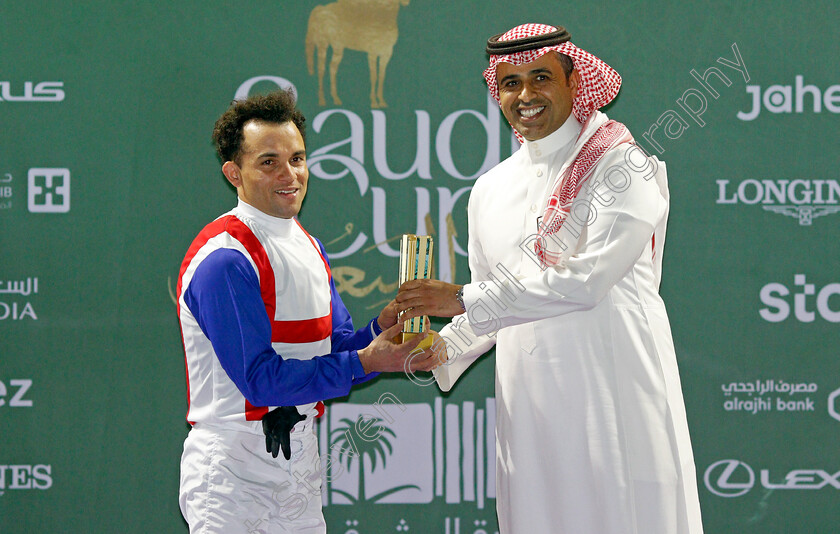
x=574 y=82
x=232 y=173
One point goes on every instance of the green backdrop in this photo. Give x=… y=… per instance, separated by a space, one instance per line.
x=107 y=172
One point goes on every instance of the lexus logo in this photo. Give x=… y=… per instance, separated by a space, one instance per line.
x=729 y=478
x=733 y=478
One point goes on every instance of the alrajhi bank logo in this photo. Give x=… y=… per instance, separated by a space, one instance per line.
x=49 y=190
x=733 y=478
x=804 y=200
x=32 y=92
x=791 y=99
x=808 y=303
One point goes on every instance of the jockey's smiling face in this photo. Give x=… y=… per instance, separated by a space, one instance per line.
x=272 y=175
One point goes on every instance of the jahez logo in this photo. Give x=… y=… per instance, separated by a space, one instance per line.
x=33 y=92
x=733 y=478
x=18 y=387
x=790 y=99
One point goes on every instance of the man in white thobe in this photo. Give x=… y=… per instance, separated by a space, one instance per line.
x=565 y=254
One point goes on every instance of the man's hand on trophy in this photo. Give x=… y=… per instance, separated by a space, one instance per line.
x=428 y=297
x=388 y=316
x=383 y=355
x=437 y=348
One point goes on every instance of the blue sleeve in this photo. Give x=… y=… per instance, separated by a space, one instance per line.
x=343 y=336
x=224 y=296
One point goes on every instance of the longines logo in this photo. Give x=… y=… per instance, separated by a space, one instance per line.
x=24 y=477
x=804 y=200
x=733 y=478
x=32 y=92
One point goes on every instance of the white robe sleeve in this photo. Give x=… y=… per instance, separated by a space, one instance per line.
x=463 y=345
x=608 y=246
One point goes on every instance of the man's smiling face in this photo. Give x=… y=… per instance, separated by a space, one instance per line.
x=536 y=97
x=271 y=174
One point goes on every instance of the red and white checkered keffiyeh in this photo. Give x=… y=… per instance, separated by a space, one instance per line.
x=566 y=187
x=599 y=83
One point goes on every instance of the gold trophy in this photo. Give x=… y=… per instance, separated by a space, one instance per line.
x=415 y=262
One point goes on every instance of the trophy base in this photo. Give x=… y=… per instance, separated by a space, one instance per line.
x=402 y=337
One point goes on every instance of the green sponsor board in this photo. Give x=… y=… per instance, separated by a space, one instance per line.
x=107 y=173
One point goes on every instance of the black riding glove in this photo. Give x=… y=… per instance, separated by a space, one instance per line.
x=277 y=424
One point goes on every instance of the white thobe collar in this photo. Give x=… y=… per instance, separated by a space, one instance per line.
x=562 y=137
x=274 y=225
